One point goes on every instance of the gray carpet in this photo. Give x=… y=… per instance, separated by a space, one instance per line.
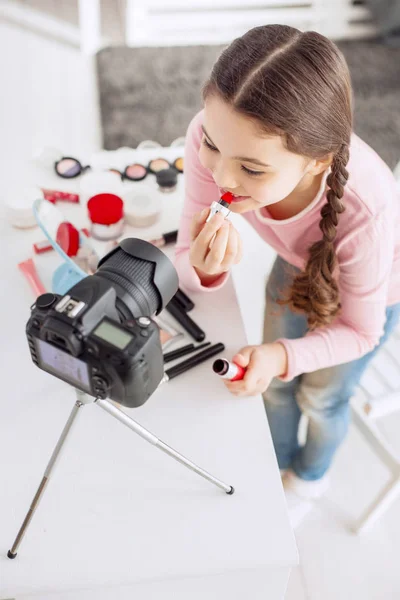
x=152 y=93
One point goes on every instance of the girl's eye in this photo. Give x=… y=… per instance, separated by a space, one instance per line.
x=245 y=169
x=250 y=172
x=208 y=145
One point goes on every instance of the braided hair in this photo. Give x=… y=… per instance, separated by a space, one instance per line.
x=315 y=291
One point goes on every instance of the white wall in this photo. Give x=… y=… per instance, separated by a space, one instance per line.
x=48 y=96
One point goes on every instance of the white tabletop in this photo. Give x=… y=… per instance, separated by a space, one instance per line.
x=118 y=511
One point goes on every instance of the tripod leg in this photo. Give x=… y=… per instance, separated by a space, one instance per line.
x=46 y=477
x=144 y=433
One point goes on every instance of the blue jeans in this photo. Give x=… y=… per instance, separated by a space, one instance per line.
x=322 y=396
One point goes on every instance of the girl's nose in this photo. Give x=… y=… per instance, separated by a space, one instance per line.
x=224 y=178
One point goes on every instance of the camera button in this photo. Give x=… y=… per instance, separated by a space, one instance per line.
x=45 y=300
x=144 y=321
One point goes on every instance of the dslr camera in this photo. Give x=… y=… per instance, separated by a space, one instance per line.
x=100 y=336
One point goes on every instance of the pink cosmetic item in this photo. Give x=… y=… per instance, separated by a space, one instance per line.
x=158 y=164
x=166 y=238
x=58 y=196
x=222 y=206
x=228 y=370
x=28 y=269
x=135 y=172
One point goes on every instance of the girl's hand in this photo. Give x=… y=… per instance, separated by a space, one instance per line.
x=262 y=364
x=215 y=246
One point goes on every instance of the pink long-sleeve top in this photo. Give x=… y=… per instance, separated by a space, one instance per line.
x=367 y=246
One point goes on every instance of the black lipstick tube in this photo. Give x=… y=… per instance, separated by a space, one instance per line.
x=193 y=361
x=184 y=300
x=176 y=310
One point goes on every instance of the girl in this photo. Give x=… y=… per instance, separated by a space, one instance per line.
x=276 y=131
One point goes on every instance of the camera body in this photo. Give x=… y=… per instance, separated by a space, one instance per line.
x=99 y=338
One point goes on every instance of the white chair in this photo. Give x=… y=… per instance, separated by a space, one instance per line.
x=178 y=142
x=367 y=407
x=379 y=395
x=148 y=144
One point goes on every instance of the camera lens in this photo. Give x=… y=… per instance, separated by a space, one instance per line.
x=144 y=278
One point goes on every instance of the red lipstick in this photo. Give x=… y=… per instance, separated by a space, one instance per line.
x=228 y=370
x=222 y=206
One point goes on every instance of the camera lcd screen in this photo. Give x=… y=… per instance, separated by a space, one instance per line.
x=59 y=363
x=113 y=335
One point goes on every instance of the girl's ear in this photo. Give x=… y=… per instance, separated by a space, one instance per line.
x=318 y=165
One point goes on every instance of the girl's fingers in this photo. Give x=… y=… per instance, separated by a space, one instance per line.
x=231 y=249
x=198 y=222
x=207 y=233
x=215 y=256
x=215 y=246
x=200 y=246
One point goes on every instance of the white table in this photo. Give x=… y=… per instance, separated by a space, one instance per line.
x=120 y=519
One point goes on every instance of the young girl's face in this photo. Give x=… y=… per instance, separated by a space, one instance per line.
x=257 y=169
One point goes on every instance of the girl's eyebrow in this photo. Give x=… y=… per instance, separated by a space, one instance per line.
x=252 y=160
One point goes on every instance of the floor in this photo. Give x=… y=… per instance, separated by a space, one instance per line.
x=334 y=563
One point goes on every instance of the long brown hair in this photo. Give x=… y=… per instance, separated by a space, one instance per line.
x=297 y=85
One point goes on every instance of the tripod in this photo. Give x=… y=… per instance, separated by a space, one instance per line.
x=83 y=399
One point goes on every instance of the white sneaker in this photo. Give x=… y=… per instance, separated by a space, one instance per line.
x=298 y=508
x=300 y=495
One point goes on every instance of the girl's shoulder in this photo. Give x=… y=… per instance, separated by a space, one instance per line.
x=371 y=187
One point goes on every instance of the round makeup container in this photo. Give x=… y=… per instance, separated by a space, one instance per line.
x=106 y=212
x=158 y=164
x=178 y=164
x=135 y=172
x=142 y=206
x=19 y=206
x=68 y=167
x=167 y=180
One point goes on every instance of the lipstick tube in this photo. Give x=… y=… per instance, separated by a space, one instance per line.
x=222 y=206
x=228 y=370
x=188 y=349
x=184 y=300
x=167 y=238
x=176 y=310
x=193 y=361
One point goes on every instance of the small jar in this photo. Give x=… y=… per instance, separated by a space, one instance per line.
x=19 y=206
x=142 y=206
x=106 y=212
x=167 y=180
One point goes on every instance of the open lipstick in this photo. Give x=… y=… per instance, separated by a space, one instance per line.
x=228 y=370
x=222 y=206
